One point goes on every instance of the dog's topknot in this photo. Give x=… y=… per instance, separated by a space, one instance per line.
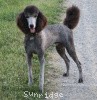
x=72 y=17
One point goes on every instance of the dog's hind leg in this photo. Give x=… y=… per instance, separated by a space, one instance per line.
x=61 y=50
x=41 y=77
x=30 y=79
x=71 y=50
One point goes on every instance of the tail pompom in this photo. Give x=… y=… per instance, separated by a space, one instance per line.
x=72 y=17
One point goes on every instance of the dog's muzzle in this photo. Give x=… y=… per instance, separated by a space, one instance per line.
x=32 y=29
x=32 y=24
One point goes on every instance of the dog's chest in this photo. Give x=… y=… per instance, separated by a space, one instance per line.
x=33 y=45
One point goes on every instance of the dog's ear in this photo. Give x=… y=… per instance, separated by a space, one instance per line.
x=41 y=22
x=22 y=23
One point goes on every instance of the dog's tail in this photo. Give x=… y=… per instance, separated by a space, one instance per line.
x=72 y=17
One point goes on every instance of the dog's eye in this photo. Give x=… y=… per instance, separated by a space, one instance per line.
x=35 y=16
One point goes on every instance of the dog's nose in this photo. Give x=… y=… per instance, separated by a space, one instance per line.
x=31 y=26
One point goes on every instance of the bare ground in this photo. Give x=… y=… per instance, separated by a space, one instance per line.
x=85 y=38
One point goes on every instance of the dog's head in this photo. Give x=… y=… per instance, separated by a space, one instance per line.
x=31 y=20
x=31 y=14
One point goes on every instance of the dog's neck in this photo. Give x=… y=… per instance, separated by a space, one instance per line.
x=31 y=36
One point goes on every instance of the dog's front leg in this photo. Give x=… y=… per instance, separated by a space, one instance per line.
x=29 y=63
x=41 y=78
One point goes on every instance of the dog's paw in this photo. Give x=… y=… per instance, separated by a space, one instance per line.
x=80 y=80
x=41 y=90
x=66 y=74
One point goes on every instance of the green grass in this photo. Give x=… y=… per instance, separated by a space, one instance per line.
x=13 y=68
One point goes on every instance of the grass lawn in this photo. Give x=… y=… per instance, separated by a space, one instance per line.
x=13 y=68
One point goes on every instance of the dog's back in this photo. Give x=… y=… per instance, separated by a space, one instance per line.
x=60 y=32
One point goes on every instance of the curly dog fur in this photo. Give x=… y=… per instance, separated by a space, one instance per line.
x=39 y=36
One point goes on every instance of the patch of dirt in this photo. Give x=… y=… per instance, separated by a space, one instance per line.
x=56 y=66
x=85 y=39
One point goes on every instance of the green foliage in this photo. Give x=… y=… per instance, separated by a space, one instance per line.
x=13 y=68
